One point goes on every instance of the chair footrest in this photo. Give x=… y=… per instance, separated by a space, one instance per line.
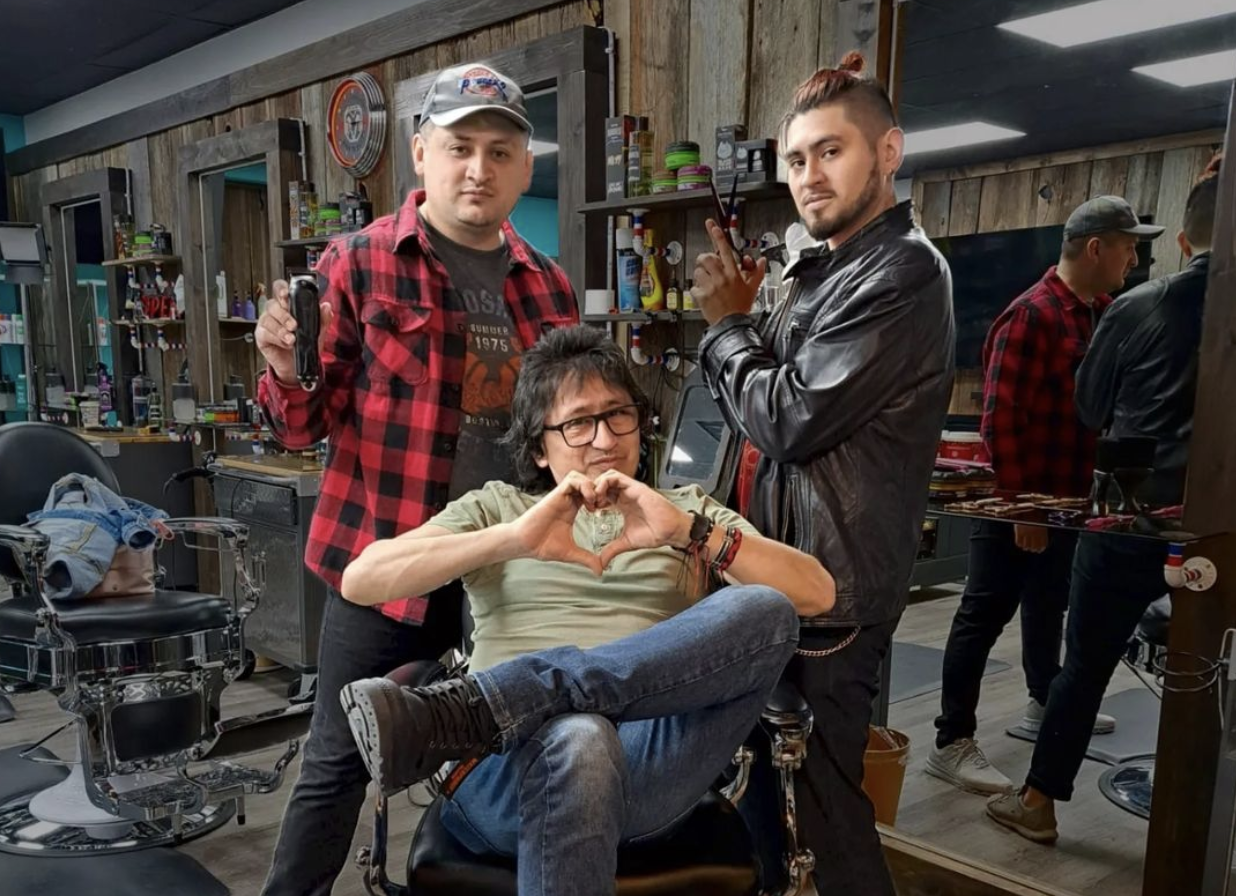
x=227 y=779
x=222 y=782
x=173 y=796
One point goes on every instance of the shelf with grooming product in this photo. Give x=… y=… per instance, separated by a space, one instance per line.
x=652 y=255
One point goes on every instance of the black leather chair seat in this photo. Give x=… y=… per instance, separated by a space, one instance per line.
x=709 y=853
x=94 y=621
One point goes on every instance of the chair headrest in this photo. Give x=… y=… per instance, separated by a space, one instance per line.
x=33 y=456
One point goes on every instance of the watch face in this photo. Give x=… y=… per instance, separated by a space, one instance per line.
x=357 y=124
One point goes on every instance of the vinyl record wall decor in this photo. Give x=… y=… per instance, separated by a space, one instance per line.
x=356 y=124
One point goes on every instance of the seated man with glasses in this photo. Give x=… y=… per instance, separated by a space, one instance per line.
x=626 y=638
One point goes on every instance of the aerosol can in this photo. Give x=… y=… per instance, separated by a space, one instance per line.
x=305 y=307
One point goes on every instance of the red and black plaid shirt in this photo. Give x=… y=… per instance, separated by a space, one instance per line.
x=392 y=384
x=1030 y=424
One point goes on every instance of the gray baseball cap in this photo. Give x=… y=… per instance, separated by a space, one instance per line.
x=467 y=89
x=1107 y=214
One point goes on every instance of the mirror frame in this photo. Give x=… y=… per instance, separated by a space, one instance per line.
x=577 y=64
x=108 y=187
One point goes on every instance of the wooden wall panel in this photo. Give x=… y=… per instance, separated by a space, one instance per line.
x=785 y=47
x=1059 y=190
x=1007 y=202
x=934 y=214
x=964 y=206
x=1109 y=177
x=659 y=79
x=1142 y=188
x=717 y=75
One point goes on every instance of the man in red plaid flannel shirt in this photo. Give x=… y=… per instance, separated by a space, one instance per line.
x=1037 y=444
x=424 y=315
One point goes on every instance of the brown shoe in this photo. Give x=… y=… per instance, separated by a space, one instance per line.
x=1037 y=824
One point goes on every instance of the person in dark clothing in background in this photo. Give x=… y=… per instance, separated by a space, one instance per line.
x=1138 y=379
x=1037 y=444
x=844 y=395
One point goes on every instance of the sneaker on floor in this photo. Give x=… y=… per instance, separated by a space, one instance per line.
x=1038 y=825
x=963 y=765
x=1032 y=721
x=406 y=734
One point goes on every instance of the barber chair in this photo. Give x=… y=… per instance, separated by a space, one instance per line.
x=140 y=678
x=710 y=852
x=1130 y=784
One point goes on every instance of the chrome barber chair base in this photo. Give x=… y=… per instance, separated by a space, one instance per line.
x=23 y=834
x=1130 y=785
x=67 y=804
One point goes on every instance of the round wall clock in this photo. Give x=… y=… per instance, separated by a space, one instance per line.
x=356 y=124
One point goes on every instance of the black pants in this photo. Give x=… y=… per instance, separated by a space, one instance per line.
x=1114 y=580
x=836 y=820
x=320 y=819
x=1003 y=577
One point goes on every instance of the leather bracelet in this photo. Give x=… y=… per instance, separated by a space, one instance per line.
x=701 y=531
x=729 y=550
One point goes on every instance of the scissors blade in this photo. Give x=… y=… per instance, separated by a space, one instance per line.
x=723 y=220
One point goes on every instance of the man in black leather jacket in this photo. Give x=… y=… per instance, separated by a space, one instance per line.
x=1137 y=379
x=844 y=394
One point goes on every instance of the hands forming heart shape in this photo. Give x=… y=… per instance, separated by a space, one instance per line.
x=546 y=531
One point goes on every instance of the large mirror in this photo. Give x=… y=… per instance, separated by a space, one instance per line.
x=1016 y=113
x=237 y=248
x=84 y=359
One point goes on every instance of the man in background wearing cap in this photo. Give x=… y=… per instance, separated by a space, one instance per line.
x=1138 y=379
x=1037 y=444
x=424 y=315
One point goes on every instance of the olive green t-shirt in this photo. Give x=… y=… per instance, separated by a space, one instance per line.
x=528 y=605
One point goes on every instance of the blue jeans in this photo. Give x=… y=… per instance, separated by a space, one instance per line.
x=617 y=744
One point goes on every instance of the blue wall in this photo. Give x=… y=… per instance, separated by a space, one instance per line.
x=537 y=221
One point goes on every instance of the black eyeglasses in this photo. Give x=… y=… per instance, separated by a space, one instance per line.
x=580 y=431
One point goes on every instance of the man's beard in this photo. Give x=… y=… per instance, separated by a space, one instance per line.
x=830 y=223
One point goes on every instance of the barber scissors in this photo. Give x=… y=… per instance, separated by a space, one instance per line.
x=723 y=218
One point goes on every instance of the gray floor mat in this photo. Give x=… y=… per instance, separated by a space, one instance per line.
x=919 y=670
x=1136 y=711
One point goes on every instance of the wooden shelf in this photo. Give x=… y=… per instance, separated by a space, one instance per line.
x=641 y=317
x=145 y=259
x=683 y=199
x=310 y=241
x=150 y=321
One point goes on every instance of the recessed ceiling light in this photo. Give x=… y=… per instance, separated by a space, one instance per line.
x=1105 y=19
x=955 y=135
x=1195 y=70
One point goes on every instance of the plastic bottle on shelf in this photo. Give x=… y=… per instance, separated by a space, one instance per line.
x=628 y=264
x=651 y=292
x=221 y=294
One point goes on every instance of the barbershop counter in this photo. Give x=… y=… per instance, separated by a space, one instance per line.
x=275 y=497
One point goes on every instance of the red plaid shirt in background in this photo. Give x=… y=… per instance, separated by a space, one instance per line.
x=1030 y=425
x=392 y=383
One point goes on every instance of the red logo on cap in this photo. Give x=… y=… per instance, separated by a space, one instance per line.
x=482 y=82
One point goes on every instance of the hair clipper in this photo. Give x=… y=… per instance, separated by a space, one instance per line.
x=304 y=305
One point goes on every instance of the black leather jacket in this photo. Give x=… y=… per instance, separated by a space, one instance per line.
x=844 y=393
x=1140 y=373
